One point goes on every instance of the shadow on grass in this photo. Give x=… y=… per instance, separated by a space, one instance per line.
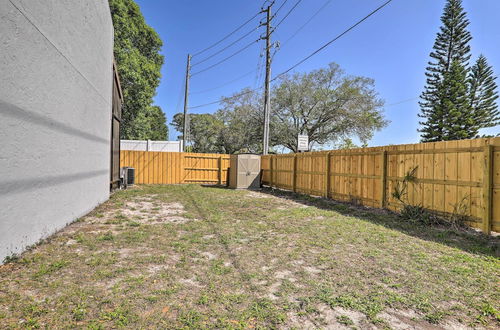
x=466 y=239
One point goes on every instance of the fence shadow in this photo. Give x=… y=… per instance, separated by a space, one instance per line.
x=467 y=240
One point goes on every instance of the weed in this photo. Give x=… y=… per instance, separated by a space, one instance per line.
x=34 y=310
x=190 y=319
x=10 y=259
x=121 y=316
x=345 y=320
x=459 y=217
x=217 y=267
x=435 y=316
x=401 y=189
x=203 y=300
x=264 y=309
x=417 y=213
x=50 y=268
x=486 y=311
x=108 y=236
x=32 y=324
x=79 y=312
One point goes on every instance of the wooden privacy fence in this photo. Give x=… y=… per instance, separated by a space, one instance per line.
x=176 y=167
x=451 y=177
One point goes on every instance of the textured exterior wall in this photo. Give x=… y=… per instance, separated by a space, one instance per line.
x=55 y=115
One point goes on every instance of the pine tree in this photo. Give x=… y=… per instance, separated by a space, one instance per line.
x=451 y=48
x=458 y=119
x=483 y=95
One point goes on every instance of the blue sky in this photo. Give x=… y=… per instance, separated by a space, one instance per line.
x=391 y=47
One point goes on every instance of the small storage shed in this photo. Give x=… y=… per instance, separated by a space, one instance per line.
x=244 y=171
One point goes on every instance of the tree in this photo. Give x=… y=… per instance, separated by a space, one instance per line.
x=137 y=52
x=150 y=124
x=451 y=47
x=241 y=116
x=458 y=118
x=483 y=95
x=325 y=104
x=204 y=130
x=232 y=129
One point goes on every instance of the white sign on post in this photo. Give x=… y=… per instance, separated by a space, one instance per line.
x=303 y=142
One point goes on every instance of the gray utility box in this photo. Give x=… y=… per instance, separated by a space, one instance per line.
x=244 y=171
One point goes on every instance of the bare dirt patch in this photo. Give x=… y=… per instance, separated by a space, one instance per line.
x=150 y=212
x=284 y=203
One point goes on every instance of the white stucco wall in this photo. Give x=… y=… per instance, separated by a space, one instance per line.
x=55 y=110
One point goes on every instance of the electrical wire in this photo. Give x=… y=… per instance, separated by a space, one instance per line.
x=225 y=59
x=403 y=101
x=279 y=8
x=228 y=46
x=333 y=40
x=286 y=15
x=179 y=99
x=228 y=35
x=226 y=98
x=226 y=83
x=307 y=22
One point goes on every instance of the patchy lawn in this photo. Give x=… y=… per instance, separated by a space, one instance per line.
x=191 y=256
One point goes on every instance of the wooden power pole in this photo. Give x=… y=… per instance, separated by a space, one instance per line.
x=267 y=100
x=186 y=98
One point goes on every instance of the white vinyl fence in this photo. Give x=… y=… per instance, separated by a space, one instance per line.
x=148 y=145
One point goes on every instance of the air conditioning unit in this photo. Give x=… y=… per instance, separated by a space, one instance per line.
x=127 y=176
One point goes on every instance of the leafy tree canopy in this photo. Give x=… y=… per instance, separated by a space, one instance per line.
x=137 y=52
x=326 y=104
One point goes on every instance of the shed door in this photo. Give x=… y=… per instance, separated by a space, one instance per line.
x=248 y=170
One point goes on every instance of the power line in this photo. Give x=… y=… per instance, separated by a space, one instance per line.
x=307 y=22
x=228 y=46
x=228 y=35
x=226 y=98
x=279 y=8
x=333 y=40
x=179 y=99
x=260 y=69
x=286 y=15
x=225 y=84
x=403 y=101
x=225 y=59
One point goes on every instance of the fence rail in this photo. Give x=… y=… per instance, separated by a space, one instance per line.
x=176 y=167
x=449 y=175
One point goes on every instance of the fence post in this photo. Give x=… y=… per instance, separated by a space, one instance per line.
x=487 y=188
x=220 y=170
x=294 y=173
x=327 y=175
x=383 y=179
x=271 y=172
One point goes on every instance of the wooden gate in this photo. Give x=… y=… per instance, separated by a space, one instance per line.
x=115 y=130
x=176 y=167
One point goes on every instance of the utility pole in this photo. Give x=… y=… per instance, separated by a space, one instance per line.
x=186 y=97
x=267 y=100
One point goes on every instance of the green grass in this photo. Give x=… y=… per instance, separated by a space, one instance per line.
x=240 y=259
